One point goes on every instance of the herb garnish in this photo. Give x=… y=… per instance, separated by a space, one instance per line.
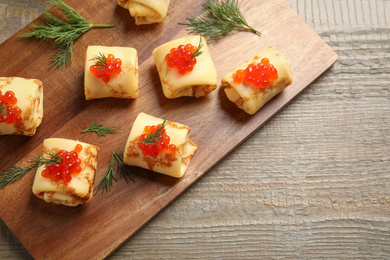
x=155 y=137
x=106 y=182
x=100 y=129
x=3 y=109
x=14 y=172
x=52 y=158
x=198 y=51
x=100 y=62
x=62 y=32
x=220 y=17
x=123 y=168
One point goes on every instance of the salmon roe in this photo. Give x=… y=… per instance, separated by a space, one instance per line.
x=258 y=75
x=9 y=113
x=106 y=67
x=68 y=167
x=181 y=58
x=161 y=143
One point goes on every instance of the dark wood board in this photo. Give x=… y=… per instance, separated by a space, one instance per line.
x=97 y=229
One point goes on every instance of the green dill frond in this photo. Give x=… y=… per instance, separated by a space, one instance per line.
x=106 y=183
x=12 y=174
x=62 y=32
x=15 y=172
x=219 y=17
x=156 y=137
x=3 y=109
x=198 y=51
x=124 y=169
x=101 y=130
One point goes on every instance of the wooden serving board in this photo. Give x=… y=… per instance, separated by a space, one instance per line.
x=97 y=229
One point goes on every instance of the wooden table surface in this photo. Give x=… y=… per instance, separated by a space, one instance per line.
x=314 y=182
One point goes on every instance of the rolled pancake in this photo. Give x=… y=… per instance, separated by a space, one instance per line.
x=174 y=164
x=80 y=189
x=199 y=82
x=252 y=99
x=146 y=11
x=122 y=85
x=29 y=93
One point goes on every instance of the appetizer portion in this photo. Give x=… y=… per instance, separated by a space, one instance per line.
x=69 y=175
x=159 y=145
x=257 y=80
x=185 y=67
x=21 y=105
x=111 y=72
x=146 y=11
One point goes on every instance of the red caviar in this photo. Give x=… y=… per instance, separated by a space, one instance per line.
x=78 y=148
x=106 y=67
x=181 y=58
x=68 y=167
x=9 y=113
x=258 y=75
x=160 y=143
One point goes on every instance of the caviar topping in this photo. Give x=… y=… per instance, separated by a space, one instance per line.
x=105 y=67
x=184 y=57
x=67 y=165
x=154 y=140
x=258 y=75
x=9 y=113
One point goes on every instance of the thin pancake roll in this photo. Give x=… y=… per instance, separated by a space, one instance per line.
x=21 y=105
x=122 y=83
x=146 y=11
x=69 y=181
x=166 y=147
x=182 y=75
x=257 y=80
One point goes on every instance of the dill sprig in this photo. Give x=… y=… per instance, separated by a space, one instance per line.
x=50 y=159
x=100 y=62
x=155 y=137
x=106 y=182
x=15 y=172
x=219 y=18
x=198 y=51
x=64 y=33
x=100 y=129
x=3 y=110
x=12 y=174
x=124 y=169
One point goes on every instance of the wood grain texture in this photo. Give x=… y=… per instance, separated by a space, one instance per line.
x=312 y=183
